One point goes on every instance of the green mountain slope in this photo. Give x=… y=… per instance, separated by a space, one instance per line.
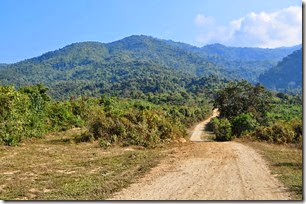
x=249 y=54
x=134 y=65
x=286 y=75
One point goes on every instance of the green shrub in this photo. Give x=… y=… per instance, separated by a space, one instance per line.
x=243 y=123
x=297 y=127
x=279 y=133
x=144 y=127
x=222 y=129
x=213 y=125
x=103 y=143
x=14 y=110
x=38 y=98
x=61 y=117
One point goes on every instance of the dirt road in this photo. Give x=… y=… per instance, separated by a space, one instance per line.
x=208 y=171
x=198 y=134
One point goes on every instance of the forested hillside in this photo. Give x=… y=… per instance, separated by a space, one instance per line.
x=137 y=65
x=249 y=54
x=286 y=75
x=3 y=65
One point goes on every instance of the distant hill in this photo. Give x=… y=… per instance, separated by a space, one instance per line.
x=286 y=75
x=3 y=65
x=137 y=64
x=249 y=54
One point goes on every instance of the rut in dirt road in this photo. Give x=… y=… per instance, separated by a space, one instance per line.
x=208 y=171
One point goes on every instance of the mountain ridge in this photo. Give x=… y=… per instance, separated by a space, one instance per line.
x=101 y=67
x=287 y=74
x=178 y=44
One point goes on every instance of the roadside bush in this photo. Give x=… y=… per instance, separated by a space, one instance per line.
x=222 y=129
x=279 y=133
x=14 y=110
x=213 y=124
x=144 y=127
x=103 y=143
x=297 y=127
x=243 y=123
x=61 y=117
x=38 y=100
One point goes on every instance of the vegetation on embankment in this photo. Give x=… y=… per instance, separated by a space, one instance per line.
x=286 y=163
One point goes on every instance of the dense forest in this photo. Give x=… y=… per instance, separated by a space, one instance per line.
x=286 y=75
x=137 y=65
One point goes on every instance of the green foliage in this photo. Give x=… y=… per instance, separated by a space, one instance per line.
x=61 y=116
x=286 y=75
x=248 y=54
x=243 y=123
x=263 y=115
x=14 y=109
x=139 y=122
x=29 y=112
x=284 y=121
x=22 y=113
x=222 y=128
x=297 y=127
x=277 y=133
x=39 y=98
x=242 y=97
x=138 y=65
x=285 y=108
x=171 y=81
x=103 y=143
x=135 y=126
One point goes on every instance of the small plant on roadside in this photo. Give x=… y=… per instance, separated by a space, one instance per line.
x=103 y=143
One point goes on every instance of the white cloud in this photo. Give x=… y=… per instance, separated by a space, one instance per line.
x=269 y=30
x=201 y=20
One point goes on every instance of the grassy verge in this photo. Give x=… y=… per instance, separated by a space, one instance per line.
x=285 y=162
x=55 y=168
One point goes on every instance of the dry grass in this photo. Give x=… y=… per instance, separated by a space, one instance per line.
x=55 y=168
x=286 y=163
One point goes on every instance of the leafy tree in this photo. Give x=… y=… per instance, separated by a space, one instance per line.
x=242 y=97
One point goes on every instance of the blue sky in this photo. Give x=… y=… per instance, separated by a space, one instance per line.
x=32 y=27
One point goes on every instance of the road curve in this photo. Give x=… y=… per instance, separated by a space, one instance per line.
x=199 y=134
x=208 y=171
